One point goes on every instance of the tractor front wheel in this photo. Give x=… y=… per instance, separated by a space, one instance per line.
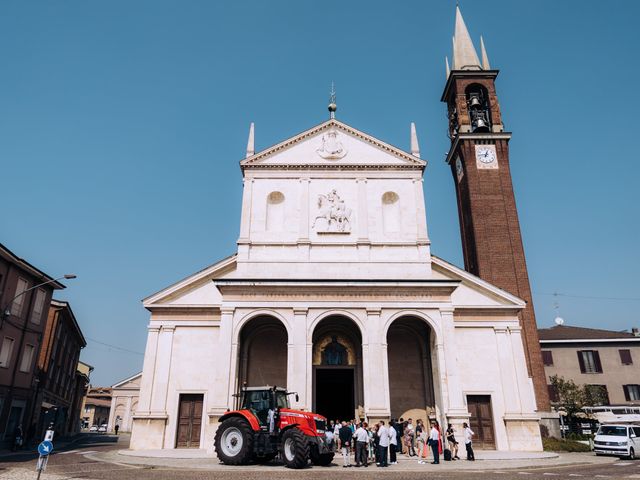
x=234 y=441
x=294 y=448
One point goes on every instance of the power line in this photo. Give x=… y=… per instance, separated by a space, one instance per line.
x=587 y=297
x=113 y=346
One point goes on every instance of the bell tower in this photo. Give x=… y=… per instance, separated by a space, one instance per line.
x=479 y=160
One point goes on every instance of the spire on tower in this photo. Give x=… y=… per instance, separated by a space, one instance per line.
x=485 y=57
x=251 y=149
x=465 y=56
x=446 y=66
x=415 y=148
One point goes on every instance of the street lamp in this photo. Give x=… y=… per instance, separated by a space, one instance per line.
x=7 y=309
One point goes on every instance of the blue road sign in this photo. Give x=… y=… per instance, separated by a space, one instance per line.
x=45 y=448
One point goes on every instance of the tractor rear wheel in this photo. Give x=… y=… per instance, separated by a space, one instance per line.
x=294 y=448
x=234 y=441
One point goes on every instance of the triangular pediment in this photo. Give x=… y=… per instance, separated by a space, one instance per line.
x=332 y=145
x=196 y=290
x=473 y=292
x=131 y=383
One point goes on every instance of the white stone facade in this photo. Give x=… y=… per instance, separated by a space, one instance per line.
x=334 y=232
x=124 y=402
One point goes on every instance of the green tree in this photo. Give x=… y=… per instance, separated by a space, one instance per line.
x=571 y=397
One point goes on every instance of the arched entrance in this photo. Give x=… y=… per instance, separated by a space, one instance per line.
x=410 y=344
x=263 y=353
x=337 y=369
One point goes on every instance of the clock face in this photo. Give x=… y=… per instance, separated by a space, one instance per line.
x=459 y=169
x=486 y=156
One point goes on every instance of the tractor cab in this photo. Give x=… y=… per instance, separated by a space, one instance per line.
x=262 y=400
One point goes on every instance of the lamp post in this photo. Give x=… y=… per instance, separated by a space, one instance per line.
x=6 y=312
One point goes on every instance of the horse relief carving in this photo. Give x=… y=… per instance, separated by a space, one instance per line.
x=333 y=215
x=331 y=148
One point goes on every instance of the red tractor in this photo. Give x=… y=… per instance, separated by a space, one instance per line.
x=264 y=426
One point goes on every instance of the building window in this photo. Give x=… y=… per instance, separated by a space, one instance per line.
x=625 y=357
x=275 y=212
x=38 y=306
x=589 y=361
x=631 y=392
x=5 y=353
x=27 y=357
x=18 y=302
x=547 y=358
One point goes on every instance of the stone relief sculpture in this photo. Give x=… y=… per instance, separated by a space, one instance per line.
x=333 y=215
x=332 y=148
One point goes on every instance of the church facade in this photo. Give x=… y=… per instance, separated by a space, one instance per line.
x=335 y=294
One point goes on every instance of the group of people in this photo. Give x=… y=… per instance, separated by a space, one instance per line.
x=381 y=443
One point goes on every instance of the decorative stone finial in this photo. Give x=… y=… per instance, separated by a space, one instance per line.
x=251 y=149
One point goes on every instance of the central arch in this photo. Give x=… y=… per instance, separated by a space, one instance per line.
x=337 y=368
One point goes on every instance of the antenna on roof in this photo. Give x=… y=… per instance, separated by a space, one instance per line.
x=558 y=320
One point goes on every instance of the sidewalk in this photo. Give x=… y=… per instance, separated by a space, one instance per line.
x=486 y=460
x=59 y=443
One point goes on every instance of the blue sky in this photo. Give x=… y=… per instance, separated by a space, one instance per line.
x=122 y=124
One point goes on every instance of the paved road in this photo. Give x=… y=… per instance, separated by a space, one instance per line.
x=80 y=460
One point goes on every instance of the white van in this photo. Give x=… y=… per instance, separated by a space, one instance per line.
x=617 y=439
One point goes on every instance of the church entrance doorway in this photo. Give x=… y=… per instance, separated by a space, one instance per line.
x=337 y=369
x=335 y=392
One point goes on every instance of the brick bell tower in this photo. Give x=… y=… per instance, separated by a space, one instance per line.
x=479 y=160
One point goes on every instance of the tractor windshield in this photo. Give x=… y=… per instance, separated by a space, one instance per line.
x=282 y=401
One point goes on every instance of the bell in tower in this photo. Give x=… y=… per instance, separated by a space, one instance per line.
x=479 y=111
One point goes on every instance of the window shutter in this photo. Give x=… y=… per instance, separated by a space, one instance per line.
x=596 y=359
x=581 y=362
x=625 y=357
x=627 y=397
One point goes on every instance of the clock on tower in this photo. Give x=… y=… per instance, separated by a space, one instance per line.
x=479 y=160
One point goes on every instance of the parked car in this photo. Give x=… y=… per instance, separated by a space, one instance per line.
x=102 y=428
x=619 y=440
x=93 y=428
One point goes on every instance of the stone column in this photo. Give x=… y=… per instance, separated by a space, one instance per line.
x=507 y=373
x=421 y=216
x=245 y=223
x=375 y=369
x=125 y=424
x=454 y=404
x=297 y=357
x=163 y=370
x=148 y=370
x=219 y=398
x=524 y=382
x=363 y=242
x=304 y=243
